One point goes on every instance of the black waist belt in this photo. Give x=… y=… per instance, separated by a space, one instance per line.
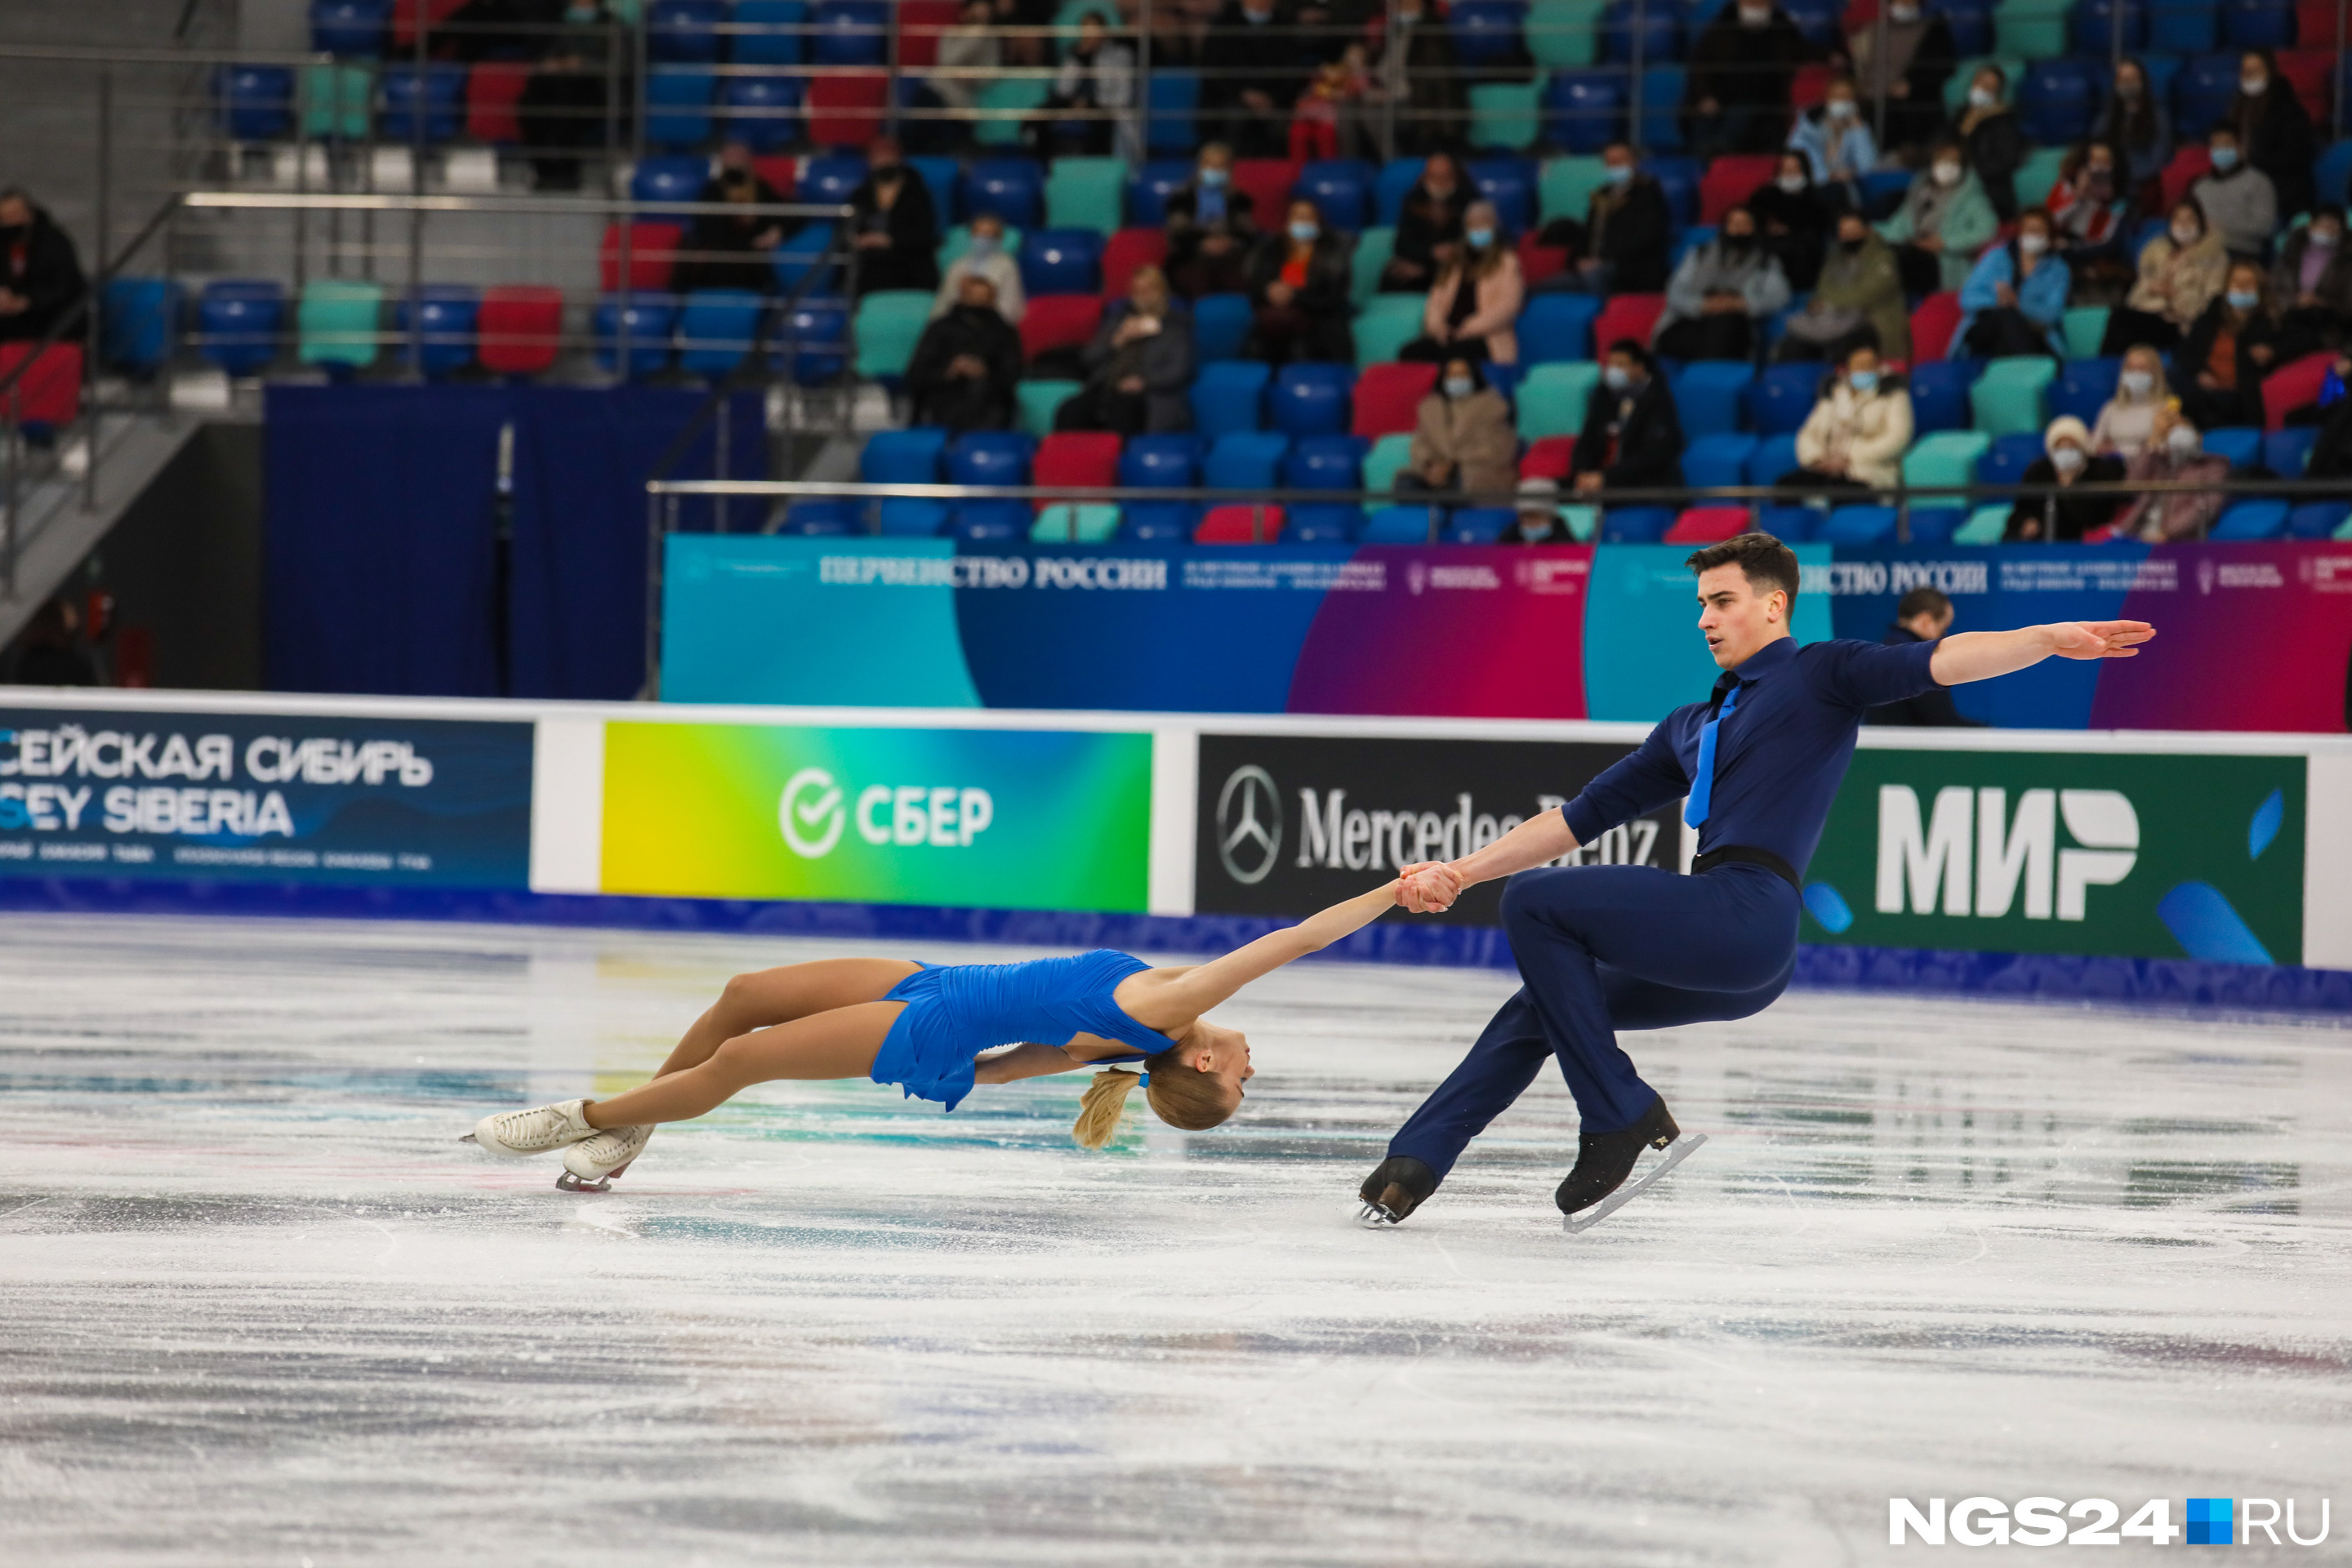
x=1745 y=854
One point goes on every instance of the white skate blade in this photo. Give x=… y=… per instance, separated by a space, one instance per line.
x=1677 y=1152
x=568 y=1183
x=1377 y=1217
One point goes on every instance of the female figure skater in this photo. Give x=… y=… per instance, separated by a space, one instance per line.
x=925 y=1027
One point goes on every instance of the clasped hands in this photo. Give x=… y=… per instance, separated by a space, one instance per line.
x=1428 y=887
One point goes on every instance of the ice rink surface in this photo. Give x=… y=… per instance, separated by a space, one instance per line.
x=258 y=1306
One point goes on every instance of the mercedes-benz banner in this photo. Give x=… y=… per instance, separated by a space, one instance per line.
x=1291 y=823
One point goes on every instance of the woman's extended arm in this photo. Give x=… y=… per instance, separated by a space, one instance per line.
x=1195 y=990
x=1028 y=1059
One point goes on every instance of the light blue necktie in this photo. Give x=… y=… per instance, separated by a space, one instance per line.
x=1703 y=784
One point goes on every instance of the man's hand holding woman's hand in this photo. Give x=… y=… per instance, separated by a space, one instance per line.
x=1428 y=887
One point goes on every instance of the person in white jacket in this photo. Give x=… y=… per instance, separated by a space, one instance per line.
x=1856 y=434
x=985 y=257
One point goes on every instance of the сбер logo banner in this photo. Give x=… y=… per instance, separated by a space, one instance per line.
x=2097 y=1521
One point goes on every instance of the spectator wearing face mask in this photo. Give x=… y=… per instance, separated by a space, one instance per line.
x=1253 y=68
x=2174 y=454
x=1988 y=129
x=2087 y=213
x=1431 y=218
x=2220 y=362
x=727 y=252
x=563 y=105
x=1792 y=219
x=1923 y=614
x=969 y=53
x=984 y=256
x=2133 y=120
x=966 y=364
x=1736 y=95
x=1857 y=300
x=1837 y=146
x=2331 y=452
x=1858 y=431
x=2313 y=286
x=1299 y=281
x=2180 y=271
x=1463 y=439
x=2066 y=461
x=1538 y=520
x=2274 y=131
x=1210 y=229
x=2128 y=420
x=1945 y=217
x=2237 y=199
x=1633 y=437
x=1139 y=365
x=1719 y=293
x=40 y=276
x=1910 y=75
x=1621 y=245
x=1474 y=304
x=896 y=231
x=2016 y=297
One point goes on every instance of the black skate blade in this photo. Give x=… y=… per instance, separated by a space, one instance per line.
x=468 y=1138
x=569 y=1183
x=1378 y=1216
x=1680 y=1149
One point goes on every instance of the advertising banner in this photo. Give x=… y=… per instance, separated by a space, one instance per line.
x=2143 y=855
x=1289 y=824
x=982 y=818
x=265 y=797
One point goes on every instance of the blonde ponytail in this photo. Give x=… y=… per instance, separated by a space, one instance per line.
x=1098 y=1113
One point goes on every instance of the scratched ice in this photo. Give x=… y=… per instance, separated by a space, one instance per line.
x=258 y=1306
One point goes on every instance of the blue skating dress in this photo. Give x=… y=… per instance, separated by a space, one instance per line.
x=957 y=1011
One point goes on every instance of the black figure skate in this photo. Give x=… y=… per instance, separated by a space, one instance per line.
x=1394 y=1189
x=1596 y=1188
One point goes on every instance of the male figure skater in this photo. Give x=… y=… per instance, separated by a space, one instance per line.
x=1604 y=948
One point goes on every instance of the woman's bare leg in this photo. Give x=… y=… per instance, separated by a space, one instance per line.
x=770 y=996
x=842 y=1043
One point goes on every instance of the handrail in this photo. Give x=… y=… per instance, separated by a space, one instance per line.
x=134 y=56
x=394 y=202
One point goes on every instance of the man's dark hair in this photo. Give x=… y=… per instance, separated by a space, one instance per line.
x=1765 y=562
x=1923 y=602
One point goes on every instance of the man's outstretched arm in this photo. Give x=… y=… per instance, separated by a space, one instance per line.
x=1980 y=655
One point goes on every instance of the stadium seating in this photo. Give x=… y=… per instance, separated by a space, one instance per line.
x=1310 y=399
x=889 y=321
x=1312 y=522
x=1227 y=396
x=1128 y=250
x=1221 y=326
x=49 y=391
x=1245 y=523
x=1707 y=525
x=814 y=331
x=2242 y=444
x=1170 y=462
x=781 y=45
x=1708 y=396
x=1780 y=398
x=1636 y=524
x=1062 y=261
x=1633 y=316
x=998 y=458
x=2293 y=386
x=1552 y=399
x=1039 y=401
x=903 y=457
x=1012 y=188
x=643 y=322
x=2251 y=519
x=1389 y=456
x=1085 y=192
x=1385 y=325
x=1402 y=525
x=1244 y=460
x=139 y=320
x=1341 y=190
x=1087 y=522
x=652 y=254
x=1387 y=398
x=1557 y=327
x=337 y=322
x=1710 y=461
x=1077 y=457
x=445 y=319
x=434 y=112
x=1059 y=321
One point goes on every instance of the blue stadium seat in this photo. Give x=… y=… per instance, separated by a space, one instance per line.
x=914 y=519
x=817 y=331
x=1972 y=28
x=1341 y=190
x=818 y=519
x=1789 y=524
x=991 y=521
x=1858 y=525
x=2251 y=519
x=1325 y=463
x=1478 y=524
x=2259 y=24
x=1720 y=460
x=2091 y=26
x=445 y=317
x=1167 y=462
x=1062 y=261
x=1817 y=19
x=2317 y=520
x=1244 y=460
x=676 y=179
x=1173 y=104
x=763 y=110
x=2182 y=27
x=1158 y=522
x=2333 y=173
x=716 y=328
x=1936 y=524
x=1148 y=193
x=443 y=106
x=1680 y=177
x=1220 y=325
x=782 y=47
x=801 y=253
x=1510 y=184
x=2241 y=444
x=648 y=319
x=351 y=27
x=2287 y=453
x=1709 y=395
x=1939 y=394
x=1401 y=525
x=2057 y=100
x=1584 y=110
x=677 y=105
x=832 y=178
x=991 y=457
x=140 y=321
x=1636 y=524
x=1310 y=399
x=238 y=320
x=684 y=32
x=852 y=33
x=1486 y=32
x=2203 y=92
x=2082 y=388
x=256 y=102
x=1227 y=396
x=1396 y=180
x=1557 y=327
x=1774 y=455
x=2006 y=460
x=1012 y=188
x=1663 y=87
x=1780 y=399
x=1321 y=522
x=1660 y=35
x=909 y=457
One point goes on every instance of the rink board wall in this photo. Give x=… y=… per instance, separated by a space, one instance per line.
x=2148 y=866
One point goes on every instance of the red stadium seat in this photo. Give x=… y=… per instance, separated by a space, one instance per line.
x=2188 y=164
x=1059 y=321
x=2314 y=24
x=493 y=96
x=2293 y=386
x=1707 y=525
x=404 y=20
x=1548 y=459
x=846 y=109
x=1388 y=398
x=1076 y=457
x=1537 y=262
x=1932 y=326
x=1731 y=180
x=1128 y=250
x=519 y=329
x=2307 y=70
x=653 y=252
x=920 y=23
x=1268 y=183
x=1809 y=86
x=50 y=392
x=1633 y=316
x=780 y=170
x=1239 y=525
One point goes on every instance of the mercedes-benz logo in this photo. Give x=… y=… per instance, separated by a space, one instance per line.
x=1249 y=824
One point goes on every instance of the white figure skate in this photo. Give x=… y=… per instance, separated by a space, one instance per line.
x=515 y=1133
x=589 y=1165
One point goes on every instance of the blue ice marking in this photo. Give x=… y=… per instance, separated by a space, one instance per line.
x=2206 y=928
x=1825 y=904
x=2266 y=825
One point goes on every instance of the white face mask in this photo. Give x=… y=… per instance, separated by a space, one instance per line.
x=1460 y=387
x=1947 y=173
x=2033 y=244
x=2324 y=238
x=2139 y=382
x=2066 y=460
x=1841 y=109
x=2254 y=86
x=1982 y=97
x=983 y=247
x=2224 y=159
x=2186 y=233
x=1755 y=17
x=1792 y=184
x=1617 y=378
x=1906 y=15
x=2182 y=439
x=1304 y=233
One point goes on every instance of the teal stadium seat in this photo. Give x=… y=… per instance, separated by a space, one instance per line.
x=887 y=323
x=1039 y=401
x=336 y=321
x=1085 y=192
x=2007 y=398
x=1387 y=324
x=1552 y=399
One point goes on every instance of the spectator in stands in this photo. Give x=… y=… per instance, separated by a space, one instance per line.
x=1633 y=437
x=1462 y=439
x=2222 y=360
x=1251 y=74
x=725 y=251
x=2089 y=210
x=1858 y=302
x=2174 y=453
x=1299 y=289
x=1923 y=614
x=2312 y=285
x=1474 y=304
x=2331 y=454
x=1430 y=222
x=1094 y=89
x=2237 y=198
x=1621 y=246
x=984 y=256
x=1139 y=365
x=1855 y=437
x=1719 y=293
x=40 y=276
x=1433 y=113
x=49 y=653
x=2066 y=461
x=966 y=364
x=2128 y=420
x=565 y=103
x=1838 y=147
x=1987 y=129
x=970 y=46
x=1024 y=44
x=1792 y=219
x=2180 y=270
x=1210 y=228
x=2274 y=131
x=1910 y=77
x=1537 y=519
x=2134 y=121
x=896 y=231
x=1736 y=95
x=2016 y=297
x=1329 y=120
x=1945 y=218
